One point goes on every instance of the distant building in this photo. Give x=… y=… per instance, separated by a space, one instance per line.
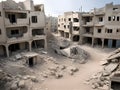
x=22 y=27
x=51 y=24
x=99 y=27
x=69 y=26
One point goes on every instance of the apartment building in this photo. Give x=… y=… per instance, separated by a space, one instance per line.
x=99 y=27
x=52 y=24
x=69 y=26
x=102 y=26
x=22 y=27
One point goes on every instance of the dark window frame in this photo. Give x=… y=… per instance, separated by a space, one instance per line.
x=34 y=19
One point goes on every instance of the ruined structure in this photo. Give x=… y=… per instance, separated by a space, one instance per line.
x=69 y=26
x=22 y=27
x=97 y=27
x=51 y=24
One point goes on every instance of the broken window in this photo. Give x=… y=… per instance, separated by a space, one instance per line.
x=109 y=30
x=69 y=19
x=115 y=8
x=12 y=18
x=65 y=26
x=100 y=19
x=118 y=18
x=109 y=18
x=75 y=19
x=38 y=32
x=34 y=19
x=76 y=28
x=14 y=32
x=99 y=30
x=118 y=30
x=113 y=18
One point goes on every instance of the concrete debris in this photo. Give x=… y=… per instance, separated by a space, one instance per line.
x=21 y=84
x=110 y=72
x=33 y=78
x=14 y=86
x=74 y=52
x=18 y=56
x=58 y=75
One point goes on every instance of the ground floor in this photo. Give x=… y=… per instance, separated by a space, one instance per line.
x=11 y=49
x=103 y=42
x=67 y=35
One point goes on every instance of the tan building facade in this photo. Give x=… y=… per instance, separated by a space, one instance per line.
x=51 y=24
x=69 y=26
x=22 y=27
x=99 y=27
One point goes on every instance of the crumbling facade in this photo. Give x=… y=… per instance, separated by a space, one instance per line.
x=22 y=27
x=52 y=24
x=69 y=26
x=99 y=27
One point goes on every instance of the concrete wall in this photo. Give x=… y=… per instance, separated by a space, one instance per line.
x=40 y=19
x=2 y=26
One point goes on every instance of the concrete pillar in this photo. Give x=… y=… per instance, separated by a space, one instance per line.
x=92 y=42
x=102 y=43
x=30 y=46
x=7 y=51
x=45 y=46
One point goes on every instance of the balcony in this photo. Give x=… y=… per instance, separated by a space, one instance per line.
x=18 y=39
x=38 y=33
x=76 y=24
x=88 y=34
x=99 y=24
x=18 y=22
x=88 y=24
x=75 y=32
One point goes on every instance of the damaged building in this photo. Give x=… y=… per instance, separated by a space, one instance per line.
x=99 y=27
x=69 y=26
x=22 y=27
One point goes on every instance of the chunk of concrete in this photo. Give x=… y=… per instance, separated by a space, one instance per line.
x=21 y=84
x=14 y=86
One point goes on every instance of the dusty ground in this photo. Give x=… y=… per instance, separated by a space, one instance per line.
x=77 y=82
x=67 y=82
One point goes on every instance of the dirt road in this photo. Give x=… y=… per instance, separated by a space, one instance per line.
x=77 y=82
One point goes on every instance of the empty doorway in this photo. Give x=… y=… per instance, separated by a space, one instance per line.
x=31 y=62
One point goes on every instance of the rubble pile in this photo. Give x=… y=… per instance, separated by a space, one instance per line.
x=4 y=80
x=58 y=71
x=73 y=52
x=102 y=79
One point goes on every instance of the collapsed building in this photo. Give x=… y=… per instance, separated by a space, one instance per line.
x=22 y=27
x=99 y=27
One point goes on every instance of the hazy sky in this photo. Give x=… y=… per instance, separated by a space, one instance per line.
x=55 y=7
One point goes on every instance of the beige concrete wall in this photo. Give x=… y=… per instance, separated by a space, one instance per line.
x=2 y=26
x=40 y=19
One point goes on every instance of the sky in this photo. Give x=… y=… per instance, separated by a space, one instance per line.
x=56 y=7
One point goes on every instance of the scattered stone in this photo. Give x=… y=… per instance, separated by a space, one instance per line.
x=58 y=75
x=21 y=84
x=34 y=79
x=18 y=56
x=74 y=69
x=103 y=62
x=14 y=86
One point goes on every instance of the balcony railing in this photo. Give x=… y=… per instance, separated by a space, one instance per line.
x=18 y=22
